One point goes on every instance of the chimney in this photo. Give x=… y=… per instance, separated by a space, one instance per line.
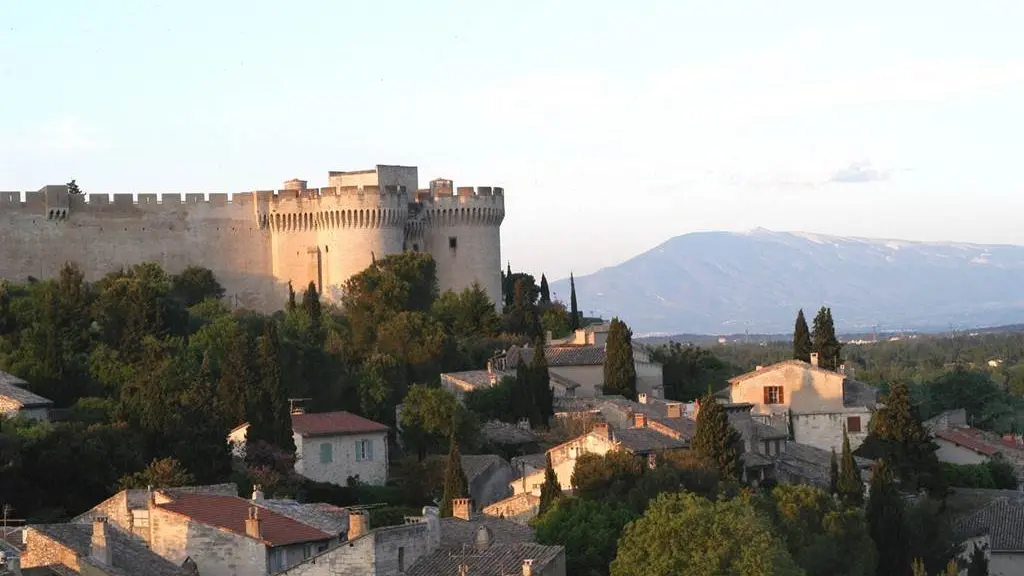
x=602 y=431
x=641 y=398
x=358 y=523
x=257 y=492
x=99 y=549
x=462 y=508
x=490 y=373
x=640 y=420
x=252 y=524
x=674 y=410
x=528 y=567
x=814 y=358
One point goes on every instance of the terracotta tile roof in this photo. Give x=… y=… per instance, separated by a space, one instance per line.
x=1002 y=520
x=129 y=556
x=14 y=388
x=230 y=513
x=331 y=423
x=496 y=560
x=572 y=355
x=963 y=438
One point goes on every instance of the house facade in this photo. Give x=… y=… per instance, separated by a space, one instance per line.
x=810 y=402
x=16 y=400
x=333 y=447
x=997 y=529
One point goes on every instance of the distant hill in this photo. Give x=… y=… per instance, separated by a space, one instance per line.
x=731 y=283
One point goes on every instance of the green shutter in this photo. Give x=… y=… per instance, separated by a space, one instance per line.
x=326 y=456
x=358 y=455
x=369 y=449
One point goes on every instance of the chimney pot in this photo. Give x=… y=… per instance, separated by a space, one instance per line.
x=641 y=398
x=528 y=567
x=462 y=508
x=253 y=524
x=640 y=420
x=674 y=410
x=257 y=492
x=814 y=358
x=358 y=523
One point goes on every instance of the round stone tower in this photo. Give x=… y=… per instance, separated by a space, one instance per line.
x=462 y=231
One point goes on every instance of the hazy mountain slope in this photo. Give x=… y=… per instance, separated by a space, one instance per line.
x=725 y=282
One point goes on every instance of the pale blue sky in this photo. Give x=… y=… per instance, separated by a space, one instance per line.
x=613 y=126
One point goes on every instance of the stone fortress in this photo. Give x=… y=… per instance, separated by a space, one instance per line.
x=257 y=242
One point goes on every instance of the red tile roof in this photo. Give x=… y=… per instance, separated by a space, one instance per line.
x=967 y=440
x=328 y=423
x=230 y=513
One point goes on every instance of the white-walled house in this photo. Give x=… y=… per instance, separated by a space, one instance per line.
x=333 y=447
x=16 y=401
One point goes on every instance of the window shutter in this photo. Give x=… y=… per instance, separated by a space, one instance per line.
x=765 y=390
x=369 y=449
x=782 y=395
x=359 y=456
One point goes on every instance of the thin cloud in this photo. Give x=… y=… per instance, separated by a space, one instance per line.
x=67 y=136
x=859 y=173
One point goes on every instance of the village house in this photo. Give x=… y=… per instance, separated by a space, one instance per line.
x=333 y=447
x=811 y=404
x=221 y=533
x=575 y=366
x=959 y=443
x=998 y=529
x=94 y=549
x=488 y=476
x=16 y=400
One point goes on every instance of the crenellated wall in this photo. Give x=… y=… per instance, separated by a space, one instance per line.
x=256 y=242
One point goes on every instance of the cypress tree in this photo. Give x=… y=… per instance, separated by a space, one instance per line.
x=271 y=418
x=545 y=292
x=551 y=490
x=801 y=338
x=824 y=341
x=833 y=475
x=540 y=387
x=885 y=518
x=455 y=483
x=237 y=380
x=897 y=435
x=522 y=399
x=850 y=486
x=311 y=304
x=574 y=321
x=619 y=368
x=6 y=319
x=715 y=441
x=291 y=297
x=509 y=287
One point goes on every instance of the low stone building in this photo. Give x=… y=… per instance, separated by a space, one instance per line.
x=16 y=400
x=333 y=447
x=94 y=549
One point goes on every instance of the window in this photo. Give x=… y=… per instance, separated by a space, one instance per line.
x=326 y=453
x=364 y=450
x=853 y=424
x=453 y=242
x=774 y=395
x=277 y=559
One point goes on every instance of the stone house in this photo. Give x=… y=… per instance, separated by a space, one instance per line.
x=810 y=402
x=333 y=447
x=15 y=400
x=998 y=529
x=220 y=532
x=93 y=549
x=488 y=476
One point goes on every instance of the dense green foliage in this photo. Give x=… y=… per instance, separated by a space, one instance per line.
x=455 y=483
x=824 y=341
x=716 y=441
x=849 y=485
x=689 y=372
x=588 y=529
x=802 y=345
x=619 y=367
x=551 y=490
x=995 y=474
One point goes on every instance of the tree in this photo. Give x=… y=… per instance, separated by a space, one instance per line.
x=715 y=440
x=588 y=529
x=824 y=341
x=73 y=188
x=978 y=564
x=290 y=306
x=574 y=321
x=432 y=414
x=523 y=316
x=551 y=490
x=467 y=314
x=833 y=474
x=545 y=292
x=682 y=534
x=801 y=338
x=162 y=473
x=311 y=305
x=237 y=380
x=195 y=284
x=850 y=487
x=886 y=523
x=508 y=286
x=619 y=367
x=607 y=478
x=540 y=386
x=269 y=413
x=455 y=483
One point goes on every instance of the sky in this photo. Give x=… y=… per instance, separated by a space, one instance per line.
x=612 y=126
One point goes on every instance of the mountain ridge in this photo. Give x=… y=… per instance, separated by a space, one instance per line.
x=726 y=282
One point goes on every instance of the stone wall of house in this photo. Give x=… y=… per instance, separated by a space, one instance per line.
x=519 y=508
x=492 y=484
x=825 y=430
x=115 y=509
x=12 y=408
x=217 y=552
x=954 y=454
x=343 y=458
x=41 y=550
x=804 y=390
x=383 y=552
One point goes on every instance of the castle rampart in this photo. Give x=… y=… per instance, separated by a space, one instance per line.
x=256 y=242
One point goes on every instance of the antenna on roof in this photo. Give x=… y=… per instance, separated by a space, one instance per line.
x=293 y=406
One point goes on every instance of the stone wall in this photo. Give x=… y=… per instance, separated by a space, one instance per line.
x=492 y=484
x=825 y=430
x=343 y=459
x=383 y=552
x=12 y=408
x=40 y=550
x=216 y=552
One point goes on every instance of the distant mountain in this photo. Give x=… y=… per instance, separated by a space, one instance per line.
x=727 y=283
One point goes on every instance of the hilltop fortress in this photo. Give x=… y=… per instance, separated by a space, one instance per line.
x=257 y=242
